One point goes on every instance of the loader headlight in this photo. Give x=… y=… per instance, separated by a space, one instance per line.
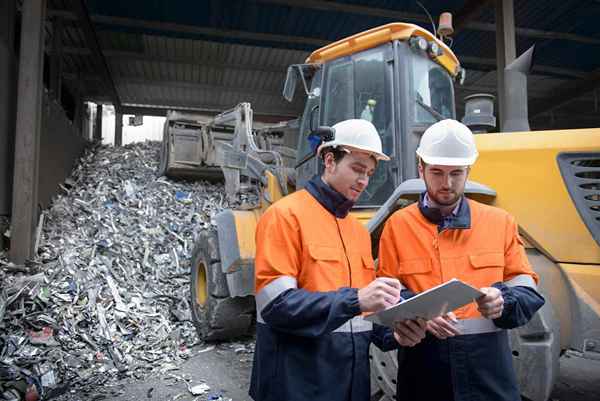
x=434 y=49
x=418 y=42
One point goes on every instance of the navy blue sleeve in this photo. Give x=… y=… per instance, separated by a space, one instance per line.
x=520 y=304
x=311 y=314
x=383 y=338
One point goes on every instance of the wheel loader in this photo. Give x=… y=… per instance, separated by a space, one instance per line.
x=401 y=78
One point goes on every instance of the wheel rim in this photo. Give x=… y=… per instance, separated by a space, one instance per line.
x=201 y=291
x=384 y=369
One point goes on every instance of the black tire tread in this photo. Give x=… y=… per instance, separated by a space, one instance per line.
x=223 y=317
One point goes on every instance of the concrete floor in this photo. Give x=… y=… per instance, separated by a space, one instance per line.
x=579 y=380
x=227 y=373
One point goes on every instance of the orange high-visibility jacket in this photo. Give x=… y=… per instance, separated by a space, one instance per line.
x=490 y=251
x=311 y=340
x=481 y=246
x=298 y=237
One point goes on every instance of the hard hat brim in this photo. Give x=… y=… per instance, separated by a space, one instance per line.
x=376 y=155
x=449 y=161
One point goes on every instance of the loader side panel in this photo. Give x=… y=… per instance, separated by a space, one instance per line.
x=237 y=249
x=524 y=169
x=585 y=283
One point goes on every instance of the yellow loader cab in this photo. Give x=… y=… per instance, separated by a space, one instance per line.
x=401 y=78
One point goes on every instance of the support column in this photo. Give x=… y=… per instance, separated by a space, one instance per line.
x=505 y=47
x=56 y=58
x=80 y=110
x=27 y=136
x=78 y=115
x=98 y=130
x=8 y=77
x=118 y=129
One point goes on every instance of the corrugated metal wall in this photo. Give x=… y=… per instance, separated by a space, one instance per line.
x=61 y=145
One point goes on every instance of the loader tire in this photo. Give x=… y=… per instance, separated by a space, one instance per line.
x=215 y=314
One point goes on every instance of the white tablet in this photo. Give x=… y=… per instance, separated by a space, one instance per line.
x=428 y=304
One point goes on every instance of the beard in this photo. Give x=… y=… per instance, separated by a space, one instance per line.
x=449 y=200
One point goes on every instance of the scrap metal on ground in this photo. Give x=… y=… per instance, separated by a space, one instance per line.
x=107 y=296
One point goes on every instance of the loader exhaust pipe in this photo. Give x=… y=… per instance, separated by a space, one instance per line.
x=516 y=115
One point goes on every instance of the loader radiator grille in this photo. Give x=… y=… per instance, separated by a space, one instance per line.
x=581 y=172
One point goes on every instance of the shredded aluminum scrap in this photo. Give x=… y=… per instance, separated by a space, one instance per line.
x=107 y=297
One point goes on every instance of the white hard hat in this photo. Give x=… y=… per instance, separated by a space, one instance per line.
x=356 y=134
x=448 y=143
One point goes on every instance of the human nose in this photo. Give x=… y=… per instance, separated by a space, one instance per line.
x=447 y=181
x=363 y=179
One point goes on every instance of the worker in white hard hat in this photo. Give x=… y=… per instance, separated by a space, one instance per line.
x=465 y=354
x=315 y=277
x=369 y=110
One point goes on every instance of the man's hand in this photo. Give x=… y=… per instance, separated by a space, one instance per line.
x=443 y=326
x=409 y=333
x=380 y=294
x=491 y=304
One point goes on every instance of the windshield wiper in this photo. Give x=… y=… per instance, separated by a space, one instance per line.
x=437 y=115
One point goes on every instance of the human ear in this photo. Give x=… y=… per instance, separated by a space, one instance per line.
x=329 y=161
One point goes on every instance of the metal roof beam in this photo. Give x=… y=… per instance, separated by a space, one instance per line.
x=492 y=89
x=83 y=18
x=565 y=93
x=470 y=13
x=490 y=65
x=216 y=32
x=245 y=90
x=316 y=42
x=161 y=111
x=125 y=80
x=349 y=9
x=128 y=80
x=115 y=55
x=537 y=33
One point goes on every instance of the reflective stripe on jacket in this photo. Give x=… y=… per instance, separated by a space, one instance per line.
x=311 y=342
x=481 y=247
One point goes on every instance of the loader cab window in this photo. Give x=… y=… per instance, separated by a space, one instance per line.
x=433 y=91
x=359 y=86
x=311 y=111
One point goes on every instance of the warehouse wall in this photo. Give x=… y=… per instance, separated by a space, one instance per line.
x=8 y=79
x=61 y=145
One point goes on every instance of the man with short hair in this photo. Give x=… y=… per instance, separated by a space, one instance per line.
x=315 y=277
x=465 y=355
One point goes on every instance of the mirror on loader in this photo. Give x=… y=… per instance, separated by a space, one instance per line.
x=305 y=72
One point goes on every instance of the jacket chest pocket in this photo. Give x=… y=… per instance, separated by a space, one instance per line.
x=326 y=269
x=363 y=270
x=415 y=266
x=326 y=255
x=417 y=274
x=488 y=268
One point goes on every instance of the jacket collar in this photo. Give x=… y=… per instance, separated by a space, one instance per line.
x=460 y=219
x=336 y=203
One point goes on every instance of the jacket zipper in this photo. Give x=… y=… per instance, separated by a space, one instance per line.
x=347 y=261
x=350 y=285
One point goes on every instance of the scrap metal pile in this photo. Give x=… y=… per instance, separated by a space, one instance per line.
x=107 y=296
